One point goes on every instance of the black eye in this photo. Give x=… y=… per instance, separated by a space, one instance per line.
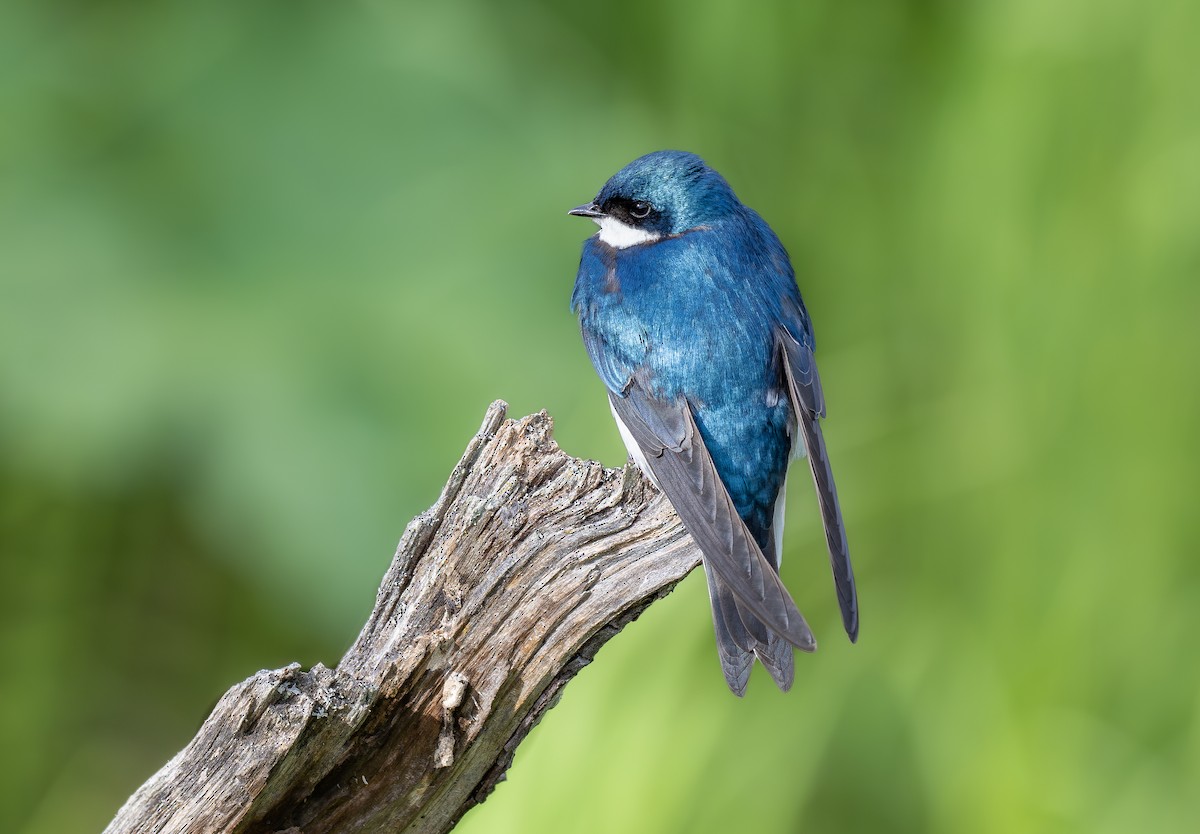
x=640 y=210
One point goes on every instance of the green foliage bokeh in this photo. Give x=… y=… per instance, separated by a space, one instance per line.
x=264 y=265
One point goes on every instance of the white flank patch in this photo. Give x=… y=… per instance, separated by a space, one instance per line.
x=780 y=512
x=635 y=451
x=797 y=442
x=620 y=235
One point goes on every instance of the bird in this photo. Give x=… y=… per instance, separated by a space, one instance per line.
x=692 y=318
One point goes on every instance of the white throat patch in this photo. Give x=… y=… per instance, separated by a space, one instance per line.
x=620 y=235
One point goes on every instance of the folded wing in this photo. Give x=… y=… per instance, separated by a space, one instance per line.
x=666 y=433
x=808 y=405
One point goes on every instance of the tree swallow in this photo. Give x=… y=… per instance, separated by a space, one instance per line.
x=692 y=318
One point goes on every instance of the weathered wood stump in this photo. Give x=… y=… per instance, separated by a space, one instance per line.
x=497 y=596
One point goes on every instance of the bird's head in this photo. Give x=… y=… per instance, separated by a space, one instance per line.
x=660 y=194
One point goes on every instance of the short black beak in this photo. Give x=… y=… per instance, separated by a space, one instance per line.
x=589 y=210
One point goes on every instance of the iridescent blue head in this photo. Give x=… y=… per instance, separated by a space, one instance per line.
x=659 y=194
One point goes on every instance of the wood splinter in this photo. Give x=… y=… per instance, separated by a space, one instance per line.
x=453 y=691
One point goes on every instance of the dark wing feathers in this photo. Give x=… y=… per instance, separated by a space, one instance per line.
x=666 y=433
x=735 y=647
x=780 y=660
x=802 y=370
x=808 y=403
x=742 y=636
x=614 y=370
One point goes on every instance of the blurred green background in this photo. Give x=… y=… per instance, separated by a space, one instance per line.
x=264 y=265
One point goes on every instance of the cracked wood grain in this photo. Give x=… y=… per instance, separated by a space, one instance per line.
x=497 y=596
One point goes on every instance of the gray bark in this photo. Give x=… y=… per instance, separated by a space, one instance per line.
x=497 y=596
